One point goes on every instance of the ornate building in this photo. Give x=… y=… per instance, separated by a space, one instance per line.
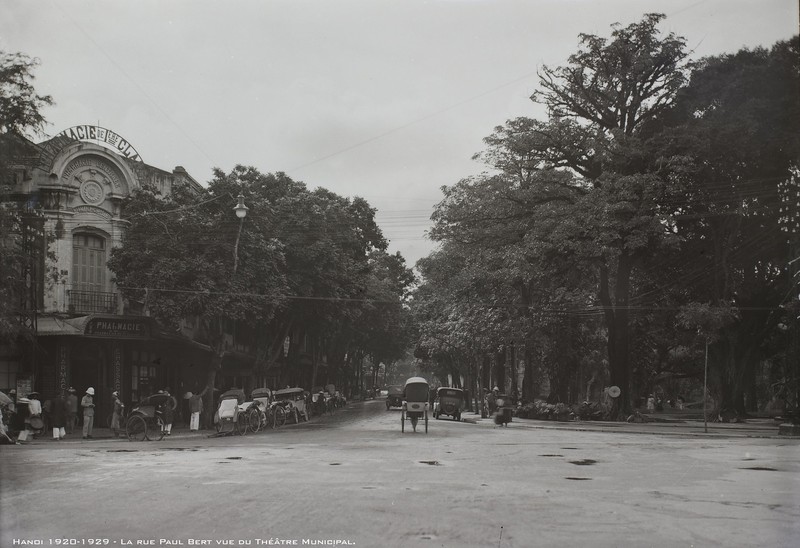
x=73 y=187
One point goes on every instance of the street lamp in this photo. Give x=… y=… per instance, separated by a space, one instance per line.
x=241 y=212
x=241 y=209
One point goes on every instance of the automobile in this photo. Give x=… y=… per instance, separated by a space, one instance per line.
x=450 y=402
x=394 y=396
x=293 y=400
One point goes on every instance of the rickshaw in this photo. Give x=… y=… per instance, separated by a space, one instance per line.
x=504 y=409
x=415 y=403
x=321 y=401
x=394 y=397
x=450 y=402
x=293 y=403
x=144 y=421
x=229 y=417
x=261 y=409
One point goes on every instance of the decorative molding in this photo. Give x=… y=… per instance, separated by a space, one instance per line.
x=92 y=210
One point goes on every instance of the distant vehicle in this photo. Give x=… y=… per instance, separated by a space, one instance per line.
x=450 y=402
x=383 y=392
x=415 y=403
x=394 y=397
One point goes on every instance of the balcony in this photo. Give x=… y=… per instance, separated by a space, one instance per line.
x=91 y=302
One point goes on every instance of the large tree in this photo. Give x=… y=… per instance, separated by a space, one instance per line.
x=20 y=114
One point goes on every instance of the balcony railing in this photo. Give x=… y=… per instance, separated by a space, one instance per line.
x=91 y=302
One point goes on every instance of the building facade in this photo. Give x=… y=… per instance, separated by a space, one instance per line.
x=86 y=333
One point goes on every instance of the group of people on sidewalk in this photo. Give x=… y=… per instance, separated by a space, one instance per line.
x=25 y=415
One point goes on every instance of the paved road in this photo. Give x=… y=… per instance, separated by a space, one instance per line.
x=354 y=477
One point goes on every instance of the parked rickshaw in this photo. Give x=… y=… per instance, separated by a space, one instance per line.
x=229 y=417
x=450 y=402
x=293 y=403
x=394 y=397
x=144 y=421
x=260 y=410
x=415 y=403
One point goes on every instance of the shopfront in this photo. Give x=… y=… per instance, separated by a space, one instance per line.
x=132 y=355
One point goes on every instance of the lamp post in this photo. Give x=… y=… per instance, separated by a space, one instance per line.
x=241 y=212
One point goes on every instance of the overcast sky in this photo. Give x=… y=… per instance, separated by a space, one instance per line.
x=379 y=99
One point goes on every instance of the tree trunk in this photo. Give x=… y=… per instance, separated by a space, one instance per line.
x=617 y=322
x=528 y=381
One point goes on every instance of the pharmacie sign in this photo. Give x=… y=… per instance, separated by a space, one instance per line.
x=102 y=136
x=128 y=328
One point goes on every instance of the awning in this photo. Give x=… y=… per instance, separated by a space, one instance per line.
x=48 y=326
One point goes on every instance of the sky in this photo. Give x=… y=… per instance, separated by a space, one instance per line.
x=386 y=100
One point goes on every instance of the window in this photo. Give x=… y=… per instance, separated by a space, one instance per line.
x=144 y=374
x=89 y=263
x=8 y=374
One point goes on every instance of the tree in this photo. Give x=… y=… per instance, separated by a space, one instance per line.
x=738 y=123
x=20 y=113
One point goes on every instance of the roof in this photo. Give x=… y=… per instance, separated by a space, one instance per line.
x=416 y=380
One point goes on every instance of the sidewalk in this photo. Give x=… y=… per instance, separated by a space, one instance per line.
x=663 y=425
x=105 y=434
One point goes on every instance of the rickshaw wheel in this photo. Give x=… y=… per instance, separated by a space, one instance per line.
x=136 y=429
x=402 y=421
x=426 y=422
x=218 y=426
x=156 y=433
x=254 y=420
x=280 y=416
x=242 y=424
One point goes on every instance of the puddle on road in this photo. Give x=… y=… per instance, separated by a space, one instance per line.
x=234 y=458
x=551 y=455
x=570 y=448
x=577 y=479
x=431 y=462
x=583 y=462
x=121 y=450
x=335 y=464
x=764 y=468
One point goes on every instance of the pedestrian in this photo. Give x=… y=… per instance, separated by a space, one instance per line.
x=167 y=412
x=87 y=403
x=58 y=417
x=116 y=414
x=4 y=437
x=72 y=410
x=35 y=421
x=12 y=407
x=195 y=408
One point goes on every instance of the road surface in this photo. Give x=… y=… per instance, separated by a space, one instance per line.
x=354 y=479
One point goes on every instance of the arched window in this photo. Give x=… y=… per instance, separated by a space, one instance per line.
x=88 y=263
